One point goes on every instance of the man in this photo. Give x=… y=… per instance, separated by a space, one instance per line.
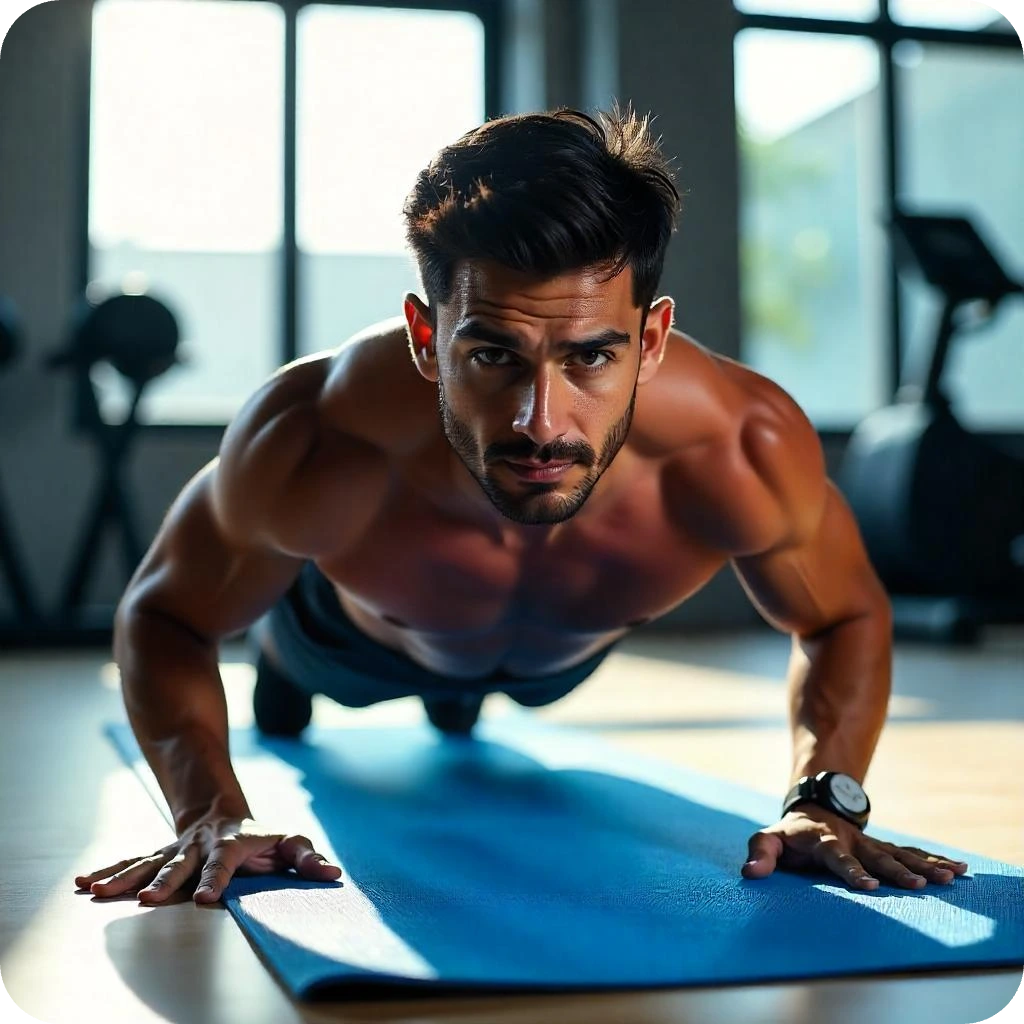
x=553 y=466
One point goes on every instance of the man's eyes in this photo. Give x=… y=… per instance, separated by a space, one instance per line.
x=499 y=357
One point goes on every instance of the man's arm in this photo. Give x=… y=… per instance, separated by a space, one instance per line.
x=814 y=580
x=194 y=588
x=805 y=568
x=230 y=546
x=215 y=565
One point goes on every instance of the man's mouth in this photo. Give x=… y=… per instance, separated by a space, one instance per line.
x=539 y=472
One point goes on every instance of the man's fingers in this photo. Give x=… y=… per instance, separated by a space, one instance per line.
x=315 y=866
x=957 y=867
x=763 y=852
x=132 y=878
x=226 y=857
x=935 y=869
x=298 y=851
x=172 y=876
x=886 y=866
x=84 y=881
x=845 y=865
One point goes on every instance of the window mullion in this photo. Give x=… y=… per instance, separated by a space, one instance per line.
x=289 y=253
x=891 y=191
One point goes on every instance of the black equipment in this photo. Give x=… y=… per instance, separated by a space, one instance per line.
x=10 y=562
x=941 y=510
x=9 y=330
x=137 y=335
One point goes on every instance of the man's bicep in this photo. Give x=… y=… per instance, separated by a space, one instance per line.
x=200 y=575
x=807 y=569
x=217 y=562
x=262 y=453
x=816 y=580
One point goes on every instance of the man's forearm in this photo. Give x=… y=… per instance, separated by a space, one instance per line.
x=175 y=701
x=839 y=686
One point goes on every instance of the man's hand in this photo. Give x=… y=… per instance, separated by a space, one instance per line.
x=211 y=851
x=812 y=839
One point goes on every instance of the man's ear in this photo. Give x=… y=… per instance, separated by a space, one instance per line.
x=420 y=327
x=654 y=339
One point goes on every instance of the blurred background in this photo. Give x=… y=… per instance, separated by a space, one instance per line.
x=240 y=166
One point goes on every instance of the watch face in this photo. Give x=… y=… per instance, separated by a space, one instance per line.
x=847 y=792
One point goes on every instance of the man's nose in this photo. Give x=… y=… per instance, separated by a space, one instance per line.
x=543 y=408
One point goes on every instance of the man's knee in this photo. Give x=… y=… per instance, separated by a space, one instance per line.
x=280 y=707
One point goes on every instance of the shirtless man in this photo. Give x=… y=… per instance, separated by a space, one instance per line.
x=554 y=465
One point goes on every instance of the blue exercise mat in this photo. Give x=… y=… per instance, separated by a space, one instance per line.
x=541 y=858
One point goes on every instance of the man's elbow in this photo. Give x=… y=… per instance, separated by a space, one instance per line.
x=878 y=608
x=873 y=620
x=129 y=620
x=870 y=616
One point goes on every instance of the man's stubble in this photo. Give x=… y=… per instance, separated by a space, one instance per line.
x=530 y=509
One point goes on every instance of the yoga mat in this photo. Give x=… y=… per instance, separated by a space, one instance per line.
x=540 y=858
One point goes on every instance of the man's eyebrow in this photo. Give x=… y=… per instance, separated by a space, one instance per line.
x=477 y=331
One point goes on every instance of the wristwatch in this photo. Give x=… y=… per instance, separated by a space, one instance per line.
x=835 y=791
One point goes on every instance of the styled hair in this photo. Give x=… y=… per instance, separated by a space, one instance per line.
x=546 y=194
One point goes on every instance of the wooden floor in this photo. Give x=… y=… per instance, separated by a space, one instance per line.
x=949 y=767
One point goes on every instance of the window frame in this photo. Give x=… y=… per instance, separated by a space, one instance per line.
x=491 y=15
x=887 y=34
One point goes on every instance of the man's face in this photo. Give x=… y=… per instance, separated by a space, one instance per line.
x=537 y=383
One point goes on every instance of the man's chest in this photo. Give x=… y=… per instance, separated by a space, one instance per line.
x=421 y=570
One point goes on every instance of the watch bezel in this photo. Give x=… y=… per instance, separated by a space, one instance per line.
x=816 y=789
x=836 y=797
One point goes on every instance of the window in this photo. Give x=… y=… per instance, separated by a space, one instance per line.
x=917 y=108
x=962 y=150
x=379 y=93
x=854 y=10
x=809 y=246
x=185 y=188
x=949 y=14
x=265 y=209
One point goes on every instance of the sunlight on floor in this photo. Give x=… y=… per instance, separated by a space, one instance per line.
x=657 y=687
x=53 y=933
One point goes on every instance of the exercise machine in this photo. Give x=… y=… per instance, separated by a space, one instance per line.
x=940 y=508
x=137 y=335
x=26 y=615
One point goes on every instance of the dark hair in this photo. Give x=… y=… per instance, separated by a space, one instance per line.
x=546 y=194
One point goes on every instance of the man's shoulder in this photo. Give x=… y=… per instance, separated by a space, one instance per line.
x=317 y=436
x=373 y=391
x=366 y=389
x=744 y=466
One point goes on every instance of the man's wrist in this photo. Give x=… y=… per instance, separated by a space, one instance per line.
x=219 y=807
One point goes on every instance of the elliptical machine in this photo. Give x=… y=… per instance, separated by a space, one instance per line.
x=940 y=509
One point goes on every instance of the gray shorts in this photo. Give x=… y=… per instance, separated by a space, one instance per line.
x=320 y=650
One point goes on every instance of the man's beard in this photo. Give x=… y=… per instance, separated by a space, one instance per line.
x=536 y=504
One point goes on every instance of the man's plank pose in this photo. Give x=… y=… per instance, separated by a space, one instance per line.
x=554 y=465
